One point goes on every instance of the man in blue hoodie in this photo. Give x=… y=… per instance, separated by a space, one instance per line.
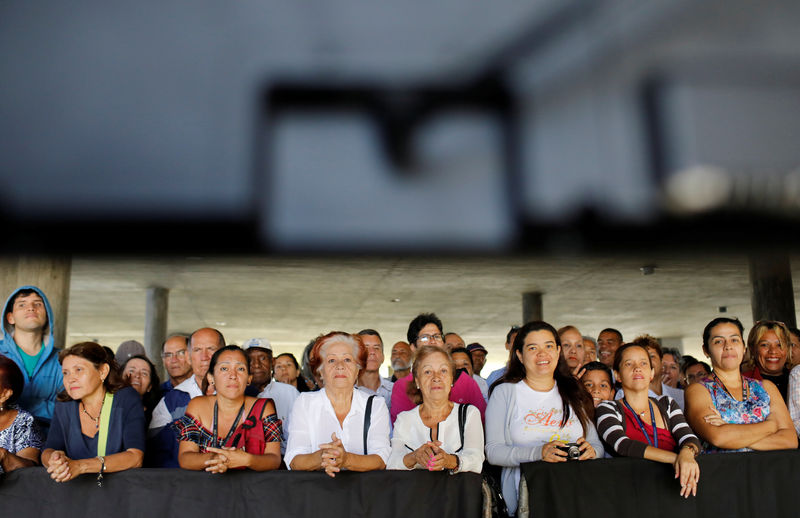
x=28 y=340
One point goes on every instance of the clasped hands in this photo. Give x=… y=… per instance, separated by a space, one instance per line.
x=61 y=468
x=333 y=456
x=224 y=459
x=433 y=458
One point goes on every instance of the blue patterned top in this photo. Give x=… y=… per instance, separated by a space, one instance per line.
x=23 y=433
x=755 y=409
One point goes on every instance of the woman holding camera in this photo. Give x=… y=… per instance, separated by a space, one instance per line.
x=651 y=428
x=537 y=410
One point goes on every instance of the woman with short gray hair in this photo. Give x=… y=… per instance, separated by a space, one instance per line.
x=338 y=427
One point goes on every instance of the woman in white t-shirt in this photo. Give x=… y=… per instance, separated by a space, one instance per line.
x=537 y=409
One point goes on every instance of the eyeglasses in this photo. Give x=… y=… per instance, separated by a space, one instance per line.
x=426 y=339
x=176 y=354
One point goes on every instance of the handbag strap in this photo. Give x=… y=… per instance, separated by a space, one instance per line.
x=105 y=420
x=462 y=421
x=367 y=419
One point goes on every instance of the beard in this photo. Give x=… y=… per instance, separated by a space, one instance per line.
x=399 y=365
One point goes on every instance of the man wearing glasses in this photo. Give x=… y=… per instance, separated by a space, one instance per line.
x=426 y=329
x=176 y=362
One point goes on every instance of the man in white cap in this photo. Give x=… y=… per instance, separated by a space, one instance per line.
x=259 y=354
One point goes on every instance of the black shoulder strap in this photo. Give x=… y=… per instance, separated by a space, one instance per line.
x=462 y=421
x=367 y=419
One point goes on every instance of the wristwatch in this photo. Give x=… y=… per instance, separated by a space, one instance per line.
x=457 y=469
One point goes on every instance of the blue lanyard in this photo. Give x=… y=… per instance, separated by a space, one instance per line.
x=641 y=424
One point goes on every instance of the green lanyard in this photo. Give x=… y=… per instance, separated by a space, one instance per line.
x=105 y=419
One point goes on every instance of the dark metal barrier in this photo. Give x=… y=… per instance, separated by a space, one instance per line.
x=731 y=485
x=164 y=492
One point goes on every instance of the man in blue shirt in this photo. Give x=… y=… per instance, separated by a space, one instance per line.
x=28 y=340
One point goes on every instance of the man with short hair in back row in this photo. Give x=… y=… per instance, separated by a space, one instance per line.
x=370 y=380
x=426 y=329
x=175 y=355
x=401 y=360
x=608 y=341
x=453 y=341
x=162 y=442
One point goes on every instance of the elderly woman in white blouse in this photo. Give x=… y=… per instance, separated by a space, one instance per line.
x=338 y=428
x=438 y=434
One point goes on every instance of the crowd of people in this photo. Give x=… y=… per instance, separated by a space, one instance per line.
x=560 y=397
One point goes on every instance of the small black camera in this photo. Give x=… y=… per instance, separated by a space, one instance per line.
x=572 y=449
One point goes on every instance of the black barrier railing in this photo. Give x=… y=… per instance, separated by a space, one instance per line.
x=731 y=485
x=154 y=493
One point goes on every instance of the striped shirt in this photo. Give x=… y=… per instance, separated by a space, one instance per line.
x=610 y=418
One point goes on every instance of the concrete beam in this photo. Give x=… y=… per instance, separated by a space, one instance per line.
x=155 y=324
x=532 y=306
x=772 y=295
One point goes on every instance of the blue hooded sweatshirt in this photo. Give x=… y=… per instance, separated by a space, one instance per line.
x=39 y=395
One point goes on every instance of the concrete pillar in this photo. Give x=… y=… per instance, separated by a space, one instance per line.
x=155 y=324
x=50 y=274
x=772 y=296
x=532 y=306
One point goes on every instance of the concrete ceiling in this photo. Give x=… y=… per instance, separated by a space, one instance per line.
x=291 y=300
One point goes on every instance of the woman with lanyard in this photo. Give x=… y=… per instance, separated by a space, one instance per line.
x=229 y=430
x=98 y=423
x=732 y=412
x=645 y=427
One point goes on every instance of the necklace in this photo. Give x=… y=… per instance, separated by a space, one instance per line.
x=95 y=419
x=640 y=424
x=744 y=387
